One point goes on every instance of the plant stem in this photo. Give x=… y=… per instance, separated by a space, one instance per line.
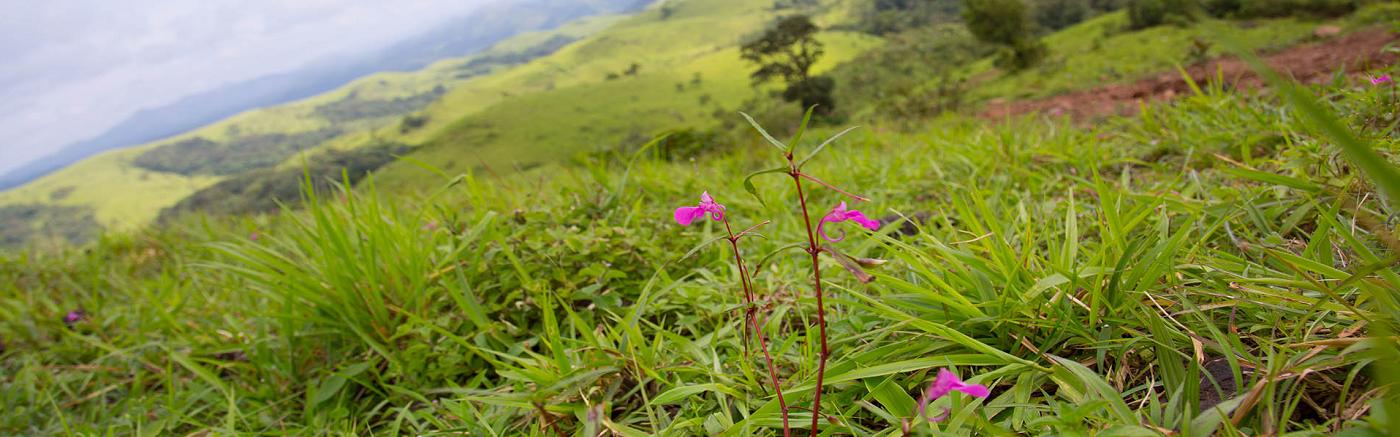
x=749 y=313
x=814 y=250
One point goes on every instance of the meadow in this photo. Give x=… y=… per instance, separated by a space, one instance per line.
x=1220 y=264
x=1091 y=278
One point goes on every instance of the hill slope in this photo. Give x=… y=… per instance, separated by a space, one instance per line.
x=458 y=37
x=122 y=192
x=688 y=68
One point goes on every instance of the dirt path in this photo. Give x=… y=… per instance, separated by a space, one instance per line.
x=1307 y=63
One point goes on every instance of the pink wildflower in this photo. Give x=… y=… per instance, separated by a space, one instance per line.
x=945 y=383
x=73 y=317
x=841 y=214
x=1377 y=80
x=686 y=214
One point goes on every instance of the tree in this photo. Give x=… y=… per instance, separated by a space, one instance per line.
x=1059 y=14
x=1005 y=22
x=787 y=51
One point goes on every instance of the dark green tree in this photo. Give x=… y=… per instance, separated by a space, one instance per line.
x=787 y=51
x=1059 y=14
x=1006 y=23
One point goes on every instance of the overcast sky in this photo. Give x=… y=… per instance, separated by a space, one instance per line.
x=71 y=69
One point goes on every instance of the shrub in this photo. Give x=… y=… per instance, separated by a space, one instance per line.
x=202 y=156
x=1006 y=23
x=685 y=143
x=1059 y=14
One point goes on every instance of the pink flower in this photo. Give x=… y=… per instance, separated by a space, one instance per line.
x=841 y=214
x=945 y=383
x=686 y=214
x=1377 y=80
x=73 y=317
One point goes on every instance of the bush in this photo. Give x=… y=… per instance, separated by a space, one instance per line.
x=1005 y=22
x=1286 y=8
x=884 y=17
x=1147 y=13
x=686 y=143
x=1059 y=14
x=412 y=122
x=1022 y=55
x=813 y=91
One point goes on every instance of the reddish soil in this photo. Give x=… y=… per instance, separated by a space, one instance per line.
x=1307 y=63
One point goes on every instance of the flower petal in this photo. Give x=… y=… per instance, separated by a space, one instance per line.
x=867 y=222
x=822 y=232
x=686 y=214
x=948 y=382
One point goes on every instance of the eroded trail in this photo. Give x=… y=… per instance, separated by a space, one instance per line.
x=1307 y=63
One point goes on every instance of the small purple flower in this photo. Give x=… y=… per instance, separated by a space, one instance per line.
x=946 y=382
x=73 y=317
x=1377 y=80
x=841 y=214
x=687 y=214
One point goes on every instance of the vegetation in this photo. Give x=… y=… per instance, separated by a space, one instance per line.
x=1007 y=23
x=1223 y=264
x=885 y=17
x=511 y=307
x=265 y=190
x=353 y=108
x=1148 y=13
x=787 y=51
x=31 y=225
x=241 y=154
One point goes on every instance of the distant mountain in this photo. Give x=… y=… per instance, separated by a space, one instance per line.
x=458 y=37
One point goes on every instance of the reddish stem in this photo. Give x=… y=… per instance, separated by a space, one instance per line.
x=749 y=313
x=814 y=250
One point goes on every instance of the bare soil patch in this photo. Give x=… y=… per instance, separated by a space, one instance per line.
x=1308 y=63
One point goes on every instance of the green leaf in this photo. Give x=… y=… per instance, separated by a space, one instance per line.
x=327 y=389
x=1080 y=385
x=1210 y=420
x=801 y=128
x=748 y=182
x=823 y=146
x=766 y=136
x=684 y=392
x=891 y=396
x=1273 y=178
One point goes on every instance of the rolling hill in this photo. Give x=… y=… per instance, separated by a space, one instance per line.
x=458 y=37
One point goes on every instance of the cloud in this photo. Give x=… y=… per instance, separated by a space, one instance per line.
x=73 y=69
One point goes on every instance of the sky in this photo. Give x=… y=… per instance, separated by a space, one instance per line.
x=71 y=69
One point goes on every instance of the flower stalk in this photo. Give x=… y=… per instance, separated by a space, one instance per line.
x=813 y=250
x=708 y=206
x=751 y=315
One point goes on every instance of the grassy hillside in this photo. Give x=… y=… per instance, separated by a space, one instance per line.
x=1102 y=50
x=1224 y=264
x=557 y=107
x=481 y=109
x=123 y=195
x=1100 y=280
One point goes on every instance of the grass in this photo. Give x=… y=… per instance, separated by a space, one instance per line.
x=1088 y=277
x=1101 y=50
